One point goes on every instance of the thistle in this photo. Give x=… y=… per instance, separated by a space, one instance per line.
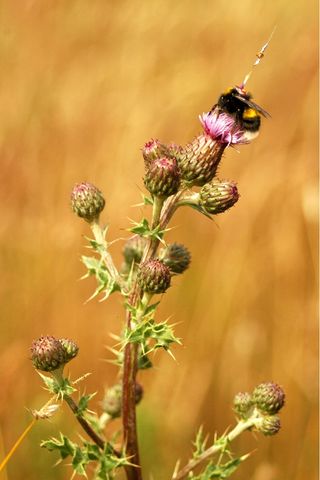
x=49 y=354
x=154 y=276
x=218 y=196
x=177 y=257
x=268 y=397
x=87 y=201
x=171 y=174
x=162 y=177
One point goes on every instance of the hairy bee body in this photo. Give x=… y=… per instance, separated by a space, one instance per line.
x=237 y=102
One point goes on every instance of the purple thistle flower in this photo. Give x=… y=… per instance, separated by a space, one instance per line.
x=222 y=128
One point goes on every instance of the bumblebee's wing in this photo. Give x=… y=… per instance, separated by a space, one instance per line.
x=253 y=105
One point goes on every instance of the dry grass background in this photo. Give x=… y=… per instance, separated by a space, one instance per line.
x=83 y=84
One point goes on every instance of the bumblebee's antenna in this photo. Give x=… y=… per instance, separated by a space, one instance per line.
x=259 y=56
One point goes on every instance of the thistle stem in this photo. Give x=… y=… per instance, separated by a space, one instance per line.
x=99 y=237
x=238 y=429
x=84 y=424
x=161 y=215
x=58 y=376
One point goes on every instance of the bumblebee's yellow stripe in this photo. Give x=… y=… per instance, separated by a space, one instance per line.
x=250 y=113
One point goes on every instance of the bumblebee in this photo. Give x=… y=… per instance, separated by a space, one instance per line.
x=237 y=102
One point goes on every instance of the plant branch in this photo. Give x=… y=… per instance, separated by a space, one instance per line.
x=215 y=448
x=99 y=237
x=84 y=424
x=161 y=215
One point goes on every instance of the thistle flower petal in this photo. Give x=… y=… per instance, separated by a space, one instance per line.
x=223 y=128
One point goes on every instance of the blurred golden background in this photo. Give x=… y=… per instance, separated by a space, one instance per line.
x=83 y=84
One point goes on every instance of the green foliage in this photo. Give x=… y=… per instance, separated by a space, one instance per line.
x=151 y=335
x=144 y=230
x=219 y=471
x=59 y=387
x=106 y=283
x=199 y=443
x=83 y=403
x=83 y=455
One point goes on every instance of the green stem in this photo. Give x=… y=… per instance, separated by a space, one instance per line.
x=99 y=237
x=242 y=426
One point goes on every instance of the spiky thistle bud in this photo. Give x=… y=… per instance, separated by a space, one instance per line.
x=162 y=177
x=218 y=196
x=133 y=249
x=199 y=160
x=70 y=347
x=268 y=397
x=154 y=149
x=87 y=201
x=154 y=276
x=242 y=404
x=112 y=401
x=138 y=392
x=268 y=424
x=48 y=354
x=177 y=257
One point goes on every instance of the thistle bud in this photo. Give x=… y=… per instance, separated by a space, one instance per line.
x=133 y=249
x=112 y=402
x=70 y=347
x=177 y=257
x=242 y=404
x=48 y=354
x=199 y=160
x=268 y=424
x=162 y=177
x=87 y=201
x=153 y=150
x=138 y=393
x=218 y=196
x=268 y=397
x=154 y=276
